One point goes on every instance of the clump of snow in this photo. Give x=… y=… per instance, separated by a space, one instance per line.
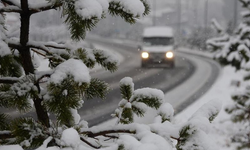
x=75 y=115
x=217 y=25
x=166 y=110
x=202 y=142
x=95 y=8
x=149 y=92
x=211 y=108
x=88 y=9
x=11 y=147
x=128 y=81
x=222 y=128
x=4 y=49
x=104 y=4
x=35 y=60
x=134 y=7
x=72 y=67
x=70 y=138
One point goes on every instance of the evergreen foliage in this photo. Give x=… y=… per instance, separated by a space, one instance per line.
x=57 y=94
x=131 y=101
x=234 y=50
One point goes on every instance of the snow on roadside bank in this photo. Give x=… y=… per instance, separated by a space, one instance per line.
x=223 y=128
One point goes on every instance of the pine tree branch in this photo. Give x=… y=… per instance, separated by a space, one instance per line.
x=13 y=9
x=47 y=74
x=12 y=3
x=5 y=135
x=177 y=139
x=38 y=52
x=46 y=7
x=56 y=46
x=111 y=136
x=245 y=3
x=12 y=43
x=91 y=145
x=105 y=132
x=38 y=45
x=8 y=80
x=43 y=47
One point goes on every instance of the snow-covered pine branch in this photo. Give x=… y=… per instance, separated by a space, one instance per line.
x=234 y=50
x=217 y=26
x=68 y=84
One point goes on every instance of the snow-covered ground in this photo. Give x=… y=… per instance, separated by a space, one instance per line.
x=223 y=128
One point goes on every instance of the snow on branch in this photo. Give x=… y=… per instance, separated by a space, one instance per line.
x=10 y=9
x=9 y=80
x=217 y=26
x=42 y=74
x=12 y=2
x=44 y=7
x=69 y=67
x=44 y=47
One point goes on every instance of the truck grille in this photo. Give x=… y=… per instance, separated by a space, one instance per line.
x=157 y=56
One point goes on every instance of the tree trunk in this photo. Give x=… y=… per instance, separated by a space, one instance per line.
x=27 y=61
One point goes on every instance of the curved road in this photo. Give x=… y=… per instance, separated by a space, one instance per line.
x=190 y=79
x=203 y=71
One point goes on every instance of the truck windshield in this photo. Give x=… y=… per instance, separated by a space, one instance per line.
x=158 y=41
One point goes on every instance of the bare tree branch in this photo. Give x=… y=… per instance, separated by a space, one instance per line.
x=43 y=47
x=40 y=53
x=46 y=74
x=56 y=46
x=12 y=43
x=49 y=6
x=10 y=2
x=105 y=132
x=91 y=145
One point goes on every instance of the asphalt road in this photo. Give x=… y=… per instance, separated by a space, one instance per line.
x=97 y=110
x=204 y=72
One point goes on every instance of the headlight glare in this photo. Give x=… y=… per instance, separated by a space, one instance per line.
x=169 y=54
x=144 y=55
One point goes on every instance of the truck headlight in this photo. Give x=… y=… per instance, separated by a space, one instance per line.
x=169 y=54
x=144 y=55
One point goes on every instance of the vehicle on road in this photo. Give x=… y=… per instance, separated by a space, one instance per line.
x=157 y=47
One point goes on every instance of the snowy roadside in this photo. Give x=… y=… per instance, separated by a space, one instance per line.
x=223 y=128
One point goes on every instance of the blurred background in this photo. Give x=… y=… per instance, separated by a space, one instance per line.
x=190 y=19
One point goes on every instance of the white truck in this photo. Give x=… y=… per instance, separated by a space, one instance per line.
x=157 y=47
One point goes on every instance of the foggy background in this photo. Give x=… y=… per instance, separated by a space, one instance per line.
x=190 y=19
